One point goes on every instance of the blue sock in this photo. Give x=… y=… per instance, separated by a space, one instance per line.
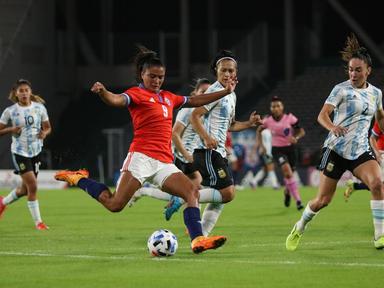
x=360 y=186
x=92 y=187
x=193 y=222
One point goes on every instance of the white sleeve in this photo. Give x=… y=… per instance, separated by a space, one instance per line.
x=379 y=100
x=44 y=114
x=335 y=97
x=183 y=116
x=211 y=105
x=5 y=117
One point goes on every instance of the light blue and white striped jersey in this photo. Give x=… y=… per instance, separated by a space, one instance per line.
x=354 y=109
x=189 y=136
x=220 y=115
x=30 y=119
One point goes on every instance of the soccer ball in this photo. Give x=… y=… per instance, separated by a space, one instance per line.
x=162 y=243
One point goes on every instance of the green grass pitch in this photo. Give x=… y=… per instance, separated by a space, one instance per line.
x=87 y=246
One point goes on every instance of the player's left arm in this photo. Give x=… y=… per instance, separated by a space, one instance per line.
x=46 y=129
x=253 y=121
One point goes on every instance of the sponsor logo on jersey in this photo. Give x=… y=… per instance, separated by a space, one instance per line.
x=152 y=100
x=167 y=101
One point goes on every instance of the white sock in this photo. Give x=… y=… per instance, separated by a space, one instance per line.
x=247 y=178
x=377 y=207
x=11 y=197
x=33 y=207
x=152 y=192
x=307 y=216
x=259 y=175
x=210 y=216
x=210 y=195
x=272 y=177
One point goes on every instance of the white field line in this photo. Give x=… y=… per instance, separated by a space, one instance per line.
x=206 y=261
x=310 y=243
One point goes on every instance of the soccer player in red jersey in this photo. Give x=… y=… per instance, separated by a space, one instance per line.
x=150 y=157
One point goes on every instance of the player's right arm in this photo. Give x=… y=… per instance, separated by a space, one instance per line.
x=324 y=119
x=5 y=130
x=177 y=132
x=116 y=100
x=210 y=142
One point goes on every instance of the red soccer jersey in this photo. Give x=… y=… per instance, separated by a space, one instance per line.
x=152 y=121
x=380 y=136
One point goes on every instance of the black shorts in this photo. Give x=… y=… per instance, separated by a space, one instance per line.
x=213 y=168
x=285 y=154
x=186 y=168
x=25 y=164
x=333 y=165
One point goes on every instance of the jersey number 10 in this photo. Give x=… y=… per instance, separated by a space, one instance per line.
x=29 y=120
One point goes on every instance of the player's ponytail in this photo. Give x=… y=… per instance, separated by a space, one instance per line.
x=144 y=59
x=353 y=49
x=12 y=94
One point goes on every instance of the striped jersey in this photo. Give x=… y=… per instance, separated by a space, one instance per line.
x=220 y=115
x=189 y=136
x=29 y=118
x=354 y=110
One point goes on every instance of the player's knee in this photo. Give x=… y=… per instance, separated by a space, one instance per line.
x=32 y=188
x=116 y=207
x=228 y=194
x=190 y=193
x=376 y=186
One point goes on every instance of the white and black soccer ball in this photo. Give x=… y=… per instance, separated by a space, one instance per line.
x=162 y=243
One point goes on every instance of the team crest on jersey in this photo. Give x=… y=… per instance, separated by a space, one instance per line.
x=330 y=167
x=22 y=166
x=221 y=173
x=152 y=100
x=167 y=101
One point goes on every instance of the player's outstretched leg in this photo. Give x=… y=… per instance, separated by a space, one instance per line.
x=71 y=177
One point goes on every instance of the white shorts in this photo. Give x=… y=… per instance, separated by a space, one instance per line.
x=145 y=168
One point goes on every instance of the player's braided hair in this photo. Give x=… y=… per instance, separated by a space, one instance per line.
x=12 y=94
x=145 y=59
x=223 y=54
x=353 y=49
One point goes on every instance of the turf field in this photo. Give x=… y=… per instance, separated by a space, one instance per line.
x=88 y=246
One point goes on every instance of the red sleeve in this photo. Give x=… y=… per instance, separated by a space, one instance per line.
x=376 y=129
x=133 y=95
x=178 y=100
